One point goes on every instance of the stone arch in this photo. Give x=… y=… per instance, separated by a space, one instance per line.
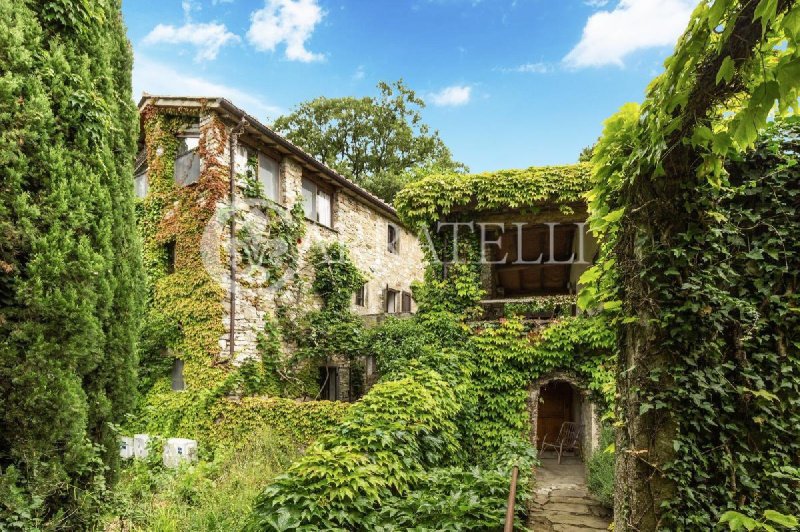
x=589 y=411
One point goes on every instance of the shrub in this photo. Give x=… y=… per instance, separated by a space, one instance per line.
x=383 y=446
x=600 y=478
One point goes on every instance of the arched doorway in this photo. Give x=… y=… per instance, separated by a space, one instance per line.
x=559 y=403
x=558 y=398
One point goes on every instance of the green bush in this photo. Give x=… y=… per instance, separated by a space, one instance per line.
x=600 y=477
x=382 y=447
x=70 y=267
x=214 y=495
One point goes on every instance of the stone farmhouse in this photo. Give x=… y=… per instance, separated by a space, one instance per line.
x=334 y=208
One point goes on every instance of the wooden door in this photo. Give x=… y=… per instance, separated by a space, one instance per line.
x=555 y=408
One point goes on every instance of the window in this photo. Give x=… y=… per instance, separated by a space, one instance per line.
x=269 y=176
x=140 y=185
x=406 y=302
x=268 y=170
x=187 y=161
x=317 y=203
x=177 y=375
x=393 y=239
x=169 y=251
x=329 y=383
x=361 y=296
x=391 y=301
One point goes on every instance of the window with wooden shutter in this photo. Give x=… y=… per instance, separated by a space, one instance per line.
x=406 y=302
x=187 y=161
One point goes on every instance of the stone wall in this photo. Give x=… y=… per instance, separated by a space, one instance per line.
x=356 y=224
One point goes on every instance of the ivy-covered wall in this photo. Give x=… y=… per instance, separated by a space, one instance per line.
x=285 y=327
x=509 y=353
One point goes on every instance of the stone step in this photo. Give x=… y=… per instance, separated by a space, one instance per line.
x=570 y=528
x=584 y=521
x=574 y=492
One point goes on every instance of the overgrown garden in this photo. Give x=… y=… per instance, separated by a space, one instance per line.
x=688 y=338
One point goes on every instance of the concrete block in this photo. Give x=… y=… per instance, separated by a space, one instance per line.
x=179 y=450
x=126 y=447
x=141 y=444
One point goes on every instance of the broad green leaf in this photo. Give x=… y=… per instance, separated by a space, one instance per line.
x=725 y=70
x=781 y=519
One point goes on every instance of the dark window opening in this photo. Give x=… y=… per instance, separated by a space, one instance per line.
x=392 y=239
x=516 y=277
x=356 y=382
x=406 y=302
x=177 y=375
x=329 y=383
x=169 y=252
x=361 y=296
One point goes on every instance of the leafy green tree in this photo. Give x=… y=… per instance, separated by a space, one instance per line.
x=377 y=142
x=70 y=267
x=586 y=153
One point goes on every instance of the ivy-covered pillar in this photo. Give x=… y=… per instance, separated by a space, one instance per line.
x=707 y=277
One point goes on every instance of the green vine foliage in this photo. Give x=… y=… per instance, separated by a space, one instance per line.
x=397 y=459
x=436 y=197
x=697 y=205
x=509 y=356
x=736 y=398
x=186 y=305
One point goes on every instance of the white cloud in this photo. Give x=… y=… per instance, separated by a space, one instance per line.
x=208 y=38
x=595 y=3
x=452 y=96
x=154 y=77
x=290 y=22
x=360 y=73
x=609 y=36
x=530 y=68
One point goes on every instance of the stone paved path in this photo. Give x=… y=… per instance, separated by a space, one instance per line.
x=561 y=501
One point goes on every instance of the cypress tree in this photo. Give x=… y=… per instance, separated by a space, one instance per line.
x=70 y=268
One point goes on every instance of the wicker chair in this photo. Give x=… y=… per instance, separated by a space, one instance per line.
x=569 y=439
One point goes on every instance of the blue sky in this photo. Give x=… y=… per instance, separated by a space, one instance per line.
x=509 y=83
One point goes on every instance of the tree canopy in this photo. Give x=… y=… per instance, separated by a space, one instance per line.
x=380 y=142
x=70 y=266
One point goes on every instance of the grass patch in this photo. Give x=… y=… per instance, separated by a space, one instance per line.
x=209 y=495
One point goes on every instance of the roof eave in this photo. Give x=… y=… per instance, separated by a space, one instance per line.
x=295 y=151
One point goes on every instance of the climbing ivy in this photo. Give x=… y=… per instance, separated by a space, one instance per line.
x=186 y=305
x=436 y=197
x=698 y=207
x=509 y=356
